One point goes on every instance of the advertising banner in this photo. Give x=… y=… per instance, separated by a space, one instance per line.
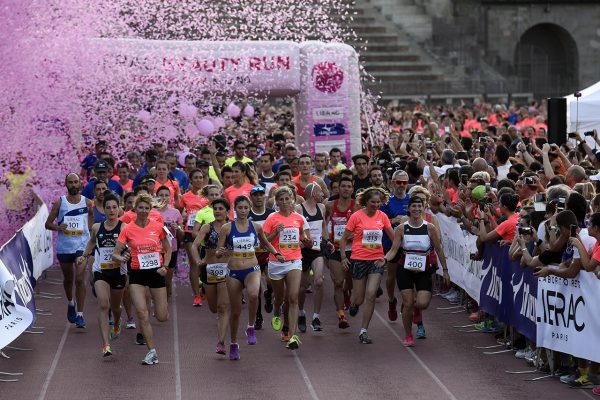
x=40 y=242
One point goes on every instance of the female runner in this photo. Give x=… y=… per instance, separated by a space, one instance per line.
x=285 y=230
x=146 y=239
x=214 y=268
x=242 y=236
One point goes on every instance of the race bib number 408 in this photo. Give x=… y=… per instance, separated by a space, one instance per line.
x=149 y=260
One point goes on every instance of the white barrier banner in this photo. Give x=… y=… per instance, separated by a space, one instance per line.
x=40 y=241
x=458 y=246
x=14 y=318
x=568 y=315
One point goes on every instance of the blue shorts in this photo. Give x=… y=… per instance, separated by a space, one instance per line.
x=241 y=274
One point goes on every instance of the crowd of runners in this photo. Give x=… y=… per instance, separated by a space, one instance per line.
x=259 y=223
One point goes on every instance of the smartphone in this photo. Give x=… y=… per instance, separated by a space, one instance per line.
x=448 y=140
x=429 y=155
x=419 y=137
x=539 y=198
x=482 y=139
x=526 y=140
x=561 y=203
x=429 y=144
x=446 y=129
x=464 y=178
x=572 y=135
x=482 y=205
x=588 y=133
x=487 y=187
x=573 y=231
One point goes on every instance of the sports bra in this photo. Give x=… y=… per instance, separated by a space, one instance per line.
x=212 y=237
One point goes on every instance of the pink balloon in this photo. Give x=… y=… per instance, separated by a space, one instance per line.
x=181 y=157
x=187 y=111
x=219 y=122
x=205 y=127
x=170 y=132
x=249 y=111
x=144 y=116
x=191 y=130
x=233 y=110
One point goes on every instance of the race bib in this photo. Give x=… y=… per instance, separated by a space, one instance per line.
x=105 y=258
x=338 y=232
x=149 y=260
x=190 y=221
x=216 y=273
x=415 y=262
x=316 y=231
x=74 y=225
x=372 y=239
x=243 y=247
x=289 y=238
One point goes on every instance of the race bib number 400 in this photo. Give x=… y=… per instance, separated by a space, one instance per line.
x=243 y=247
x=372 y=239
x=216 y=273
x=289 y=238
x=415 y=262
x=106 y=261
x=149 y=260
x=74 y=225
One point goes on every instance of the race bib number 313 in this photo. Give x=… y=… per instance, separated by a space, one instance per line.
x=372 y=239
x=149 y=260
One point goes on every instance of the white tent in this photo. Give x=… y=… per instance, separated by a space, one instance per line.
x=584 y=115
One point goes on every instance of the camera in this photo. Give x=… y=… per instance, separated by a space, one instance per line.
x=588 y=133
x=429 y=155
x=448 y=140
x=482 y=139
x=572 y=135
x=429 y=144
x=539 y=198
x=529 y=180
x=560 y=205
x=525 y=230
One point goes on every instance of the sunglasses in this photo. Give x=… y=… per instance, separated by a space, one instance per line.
x=399 y=182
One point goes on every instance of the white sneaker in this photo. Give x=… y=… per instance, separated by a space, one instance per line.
x=455 y=298
x=151 y=358
x=523 y=353
x=449 y=293
x=130 y=323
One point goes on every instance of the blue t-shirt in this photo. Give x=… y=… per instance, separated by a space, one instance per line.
x=113 y=186
x=181 y=178
x=141 y=173
x=394 y=207
x=88 y=164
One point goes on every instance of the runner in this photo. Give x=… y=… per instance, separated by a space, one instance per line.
x=267 y=176
x=214 y=268
x=146 y=240
x=338 y=213
x=109 y=276
x=244 y=179
x=75 y=216
x=172 y=221
x=258 y=214
x=415 y=239
x=162 y=179
x=312 y=257
x=285 y=230
x=190 y=203
x=99 y=188
x=205 y=215
x=242 y=236
x=306 y=176
x=367 y=227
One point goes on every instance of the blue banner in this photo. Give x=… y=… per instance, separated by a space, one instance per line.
x=508 y=291
x=329 y=129
x=16 y=257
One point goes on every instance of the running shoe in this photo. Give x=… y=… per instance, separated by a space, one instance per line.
x=408 y=341
x=276 y=323
x=316 y=325
x=379 y=292
x=420 y=332
x=234 y=351
x=353 y=310
x=251 y=336
x=130 y=323
x=151 y=358
x=285 y=334
x=294 y=343
x=115 y=332
x=343 y=322
x=79 y=322
x=416 y=317
x=450 y=292
x=583 y=382
x=71 y=313
x=523 y=353
x=258 y=323
x=268 y=301
x=139 y=339
x=302 y=323
x=346 y=300
x=106 y=351
x=364 y=338
x=475 y=317
x=197 y=301
x=570 y=378
x=596 y=390
x=221 y=348
x=392 y=312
